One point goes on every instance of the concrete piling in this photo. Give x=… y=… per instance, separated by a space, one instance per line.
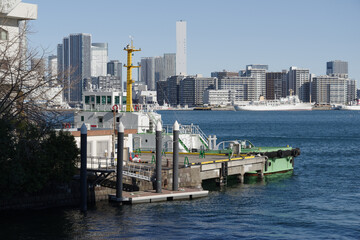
x=158 y=137
x=83 y=169
x=120 y=162
x=175 y=157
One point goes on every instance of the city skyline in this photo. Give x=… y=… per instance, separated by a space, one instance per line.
x=306 y=34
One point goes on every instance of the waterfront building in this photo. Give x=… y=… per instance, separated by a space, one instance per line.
x=258 y=72
x=275 y=82
x=224 y=74
x=258 y=66
x=173 y=90
x=299 y=83
x=181 y=48
x=337 y=68
x=330 y=90
x=218 y=97
x=161 y=92
x=192 y=89
x=351 y=91
x=99 y=59
x=243 y=88
x=358 y=93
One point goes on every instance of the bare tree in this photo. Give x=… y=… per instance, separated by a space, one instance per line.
x=26 y=92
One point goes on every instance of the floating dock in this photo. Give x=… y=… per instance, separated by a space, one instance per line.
x=151 y=196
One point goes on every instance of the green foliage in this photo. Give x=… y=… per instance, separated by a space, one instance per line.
x=33 y=157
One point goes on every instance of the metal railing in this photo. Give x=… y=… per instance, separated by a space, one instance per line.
x=130 y=169
x=138 y=171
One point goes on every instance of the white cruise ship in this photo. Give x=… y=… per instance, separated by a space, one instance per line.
x=290 y=103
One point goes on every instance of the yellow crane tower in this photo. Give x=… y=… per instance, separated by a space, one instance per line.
x=129 y=81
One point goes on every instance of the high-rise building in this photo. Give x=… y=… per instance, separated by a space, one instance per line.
x=53 y=66
x=154 y=69
x=106 y=82
x=258 y=72
x=161 y=92
x=173 y=88
x=99 y=59
x=258 y=66
x=351 y=91
x=274 y=84
x=337 y=68
x=224 y=74
x=114 y=68
x=74 y=59
x=181 y=48
x=148 y=72
x=192 y=90
x=329 y=90
x=169 y=65
x=243 y=88
x=159 y=69
x=299 y=83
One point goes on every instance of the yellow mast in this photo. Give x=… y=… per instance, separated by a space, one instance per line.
x=129 y=81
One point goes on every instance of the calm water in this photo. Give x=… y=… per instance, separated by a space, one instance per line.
x=320 y=200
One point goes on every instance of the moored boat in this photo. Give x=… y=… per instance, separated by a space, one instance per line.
x=290 y=103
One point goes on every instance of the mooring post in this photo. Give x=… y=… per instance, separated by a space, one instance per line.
x=158 y=156
x=175 y=156
x=83 y=171
x=120 y=162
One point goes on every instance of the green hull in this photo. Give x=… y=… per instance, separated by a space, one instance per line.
x=280 y=159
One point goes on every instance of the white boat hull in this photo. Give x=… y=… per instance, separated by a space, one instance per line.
x=298 y=107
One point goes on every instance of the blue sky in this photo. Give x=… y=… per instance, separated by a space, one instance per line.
x=227 y=34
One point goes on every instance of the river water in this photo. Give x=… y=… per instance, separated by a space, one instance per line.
x=319 y=200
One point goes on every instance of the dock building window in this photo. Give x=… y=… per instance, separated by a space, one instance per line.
x=87 y=99
x=103 y=100
x=4 y=35
x=108 y=99
x=98 y=99
x=117 y=99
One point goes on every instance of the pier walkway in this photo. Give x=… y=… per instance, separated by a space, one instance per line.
x=204 y=166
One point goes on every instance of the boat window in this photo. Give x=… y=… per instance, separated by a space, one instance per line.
x=118 y=119
x=82 y=118
x=100 y=119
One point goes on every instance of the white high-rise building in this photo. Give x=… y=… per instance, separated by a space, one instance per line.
x=99 y=59
x=181 y=48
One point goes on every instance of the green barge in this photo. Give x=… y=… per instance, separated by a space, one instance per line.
x=279 y=159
